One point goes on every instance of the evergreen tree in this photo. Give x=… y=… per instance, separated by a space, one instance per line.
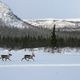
x=53 y=38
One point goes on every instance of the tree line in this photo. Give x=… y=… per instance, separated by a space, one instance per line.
x=65 y=41
x=31 y=38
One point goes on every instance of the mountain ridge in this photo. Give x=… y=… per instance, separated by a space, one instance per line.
x=10 y=19
x=64 y=24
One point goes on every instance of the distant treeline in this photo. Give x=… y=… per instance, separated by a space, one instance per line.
x=37 y=37
x=12 y=37
x=24 y=42
x=68 y=42
x=65 y=38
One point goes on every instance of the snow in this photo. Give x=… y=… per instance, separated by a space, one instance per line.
x=60 y=23
x=9 y=18
x=42 y=56
x=40 y=73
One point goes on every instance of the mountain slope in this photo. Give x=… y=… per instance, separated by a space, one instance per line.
x=10 y=19
x=49 y=23
x=63 y=24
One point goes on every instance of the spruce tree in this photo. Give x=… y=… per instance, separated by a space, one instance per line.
x=53 y=37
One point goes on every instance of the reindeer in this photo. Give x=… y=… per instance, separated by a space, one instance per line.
x=5 y=57
x=27 y=57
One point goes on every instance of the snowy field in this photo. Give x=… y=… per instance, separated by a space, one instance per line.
x=40 y=73
x=43 y=56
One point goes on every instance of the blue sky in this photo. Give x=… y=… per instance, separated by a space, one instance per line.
x=38 y=9
x=39 y=73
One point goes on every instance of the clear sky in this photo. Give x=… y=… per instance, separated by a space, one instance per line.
x=40 y=73
x=38 y=9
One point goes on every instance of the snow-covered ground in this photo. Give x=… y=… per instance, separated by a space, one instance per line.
x=43 y=56
x=40 y=73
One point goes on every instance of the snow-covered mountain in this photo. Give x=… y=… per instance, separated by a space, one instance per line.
x=49 y=23
x=8 y=18
x=62 y=24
